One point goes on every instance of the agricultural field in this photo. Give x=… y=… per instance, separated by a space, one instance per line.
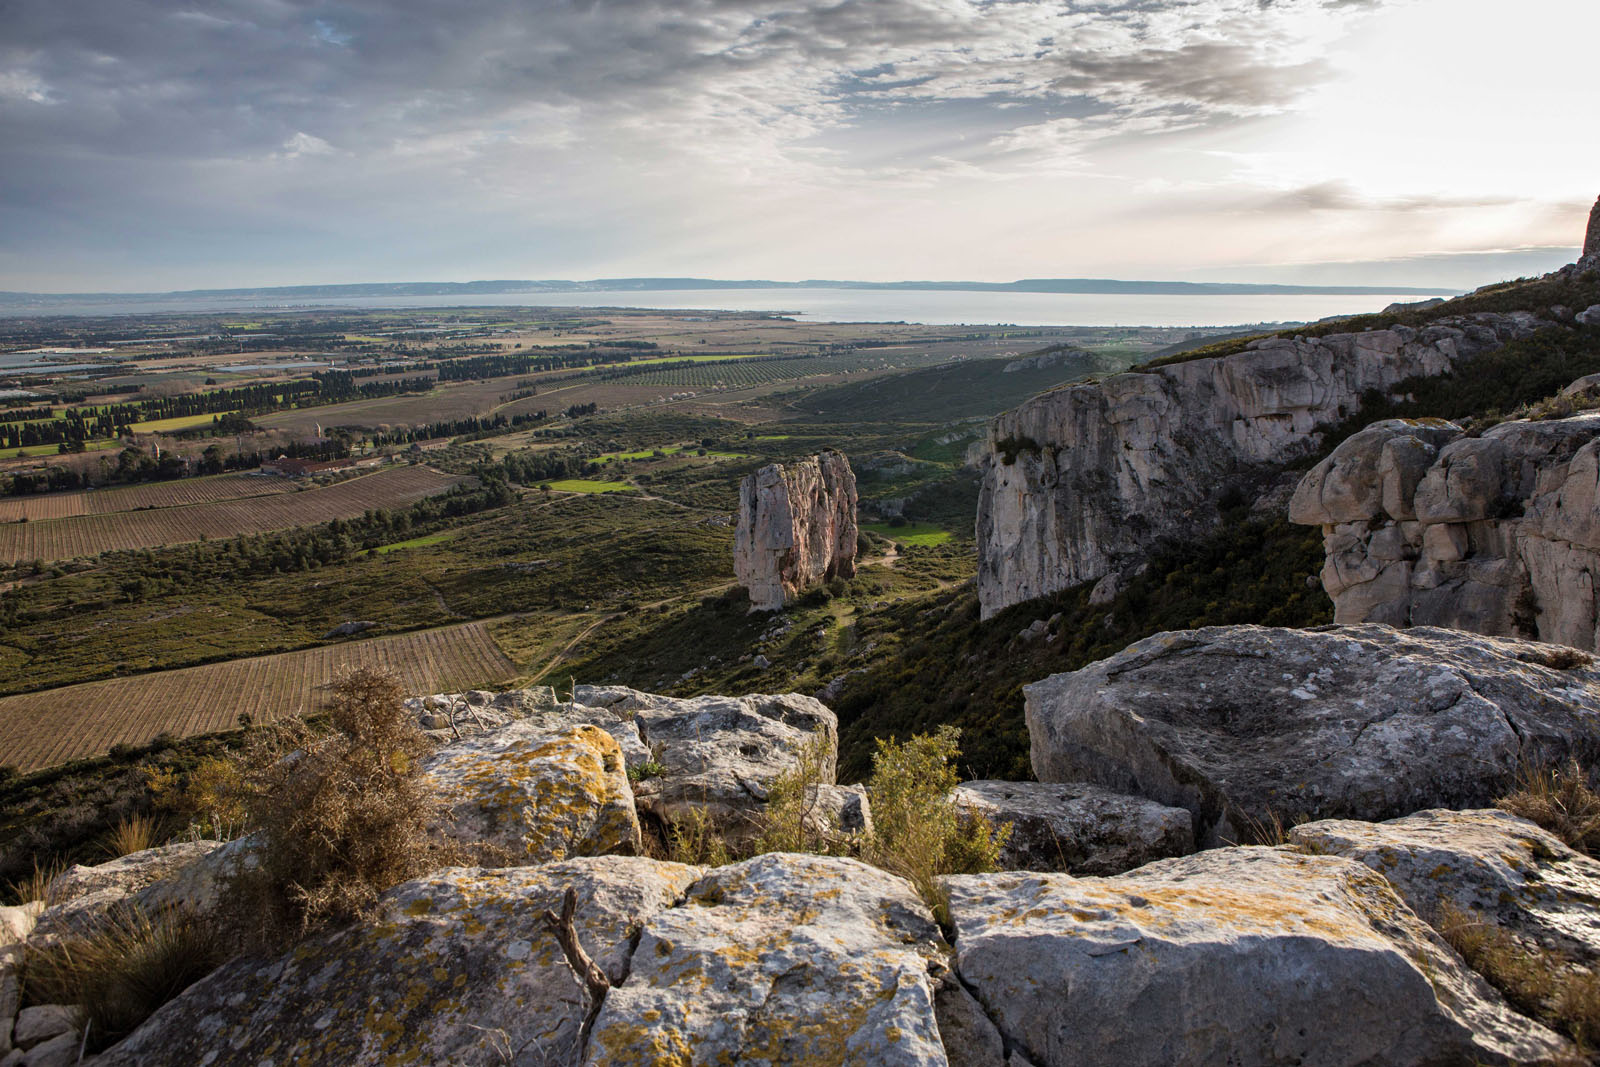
x=913 y=534
x=179 y=493
x=587 y=485
x=89 y=535
x=55 y=725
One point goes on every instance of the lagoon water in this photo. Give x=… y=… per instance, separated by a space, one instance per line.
x=835 y=305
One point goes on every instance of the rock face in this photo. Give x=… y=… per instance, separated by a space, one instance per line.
x=1591 y=238
x=719 y=754
x=1076 y=827
x=1246 y=726
x=782 y=959
x=1486 y=862
x=1247 y=956
x=81 y=894
x=537 y=795
x=797 y=527
x=1498 y=534
x=1082 y=481
x=457 y=969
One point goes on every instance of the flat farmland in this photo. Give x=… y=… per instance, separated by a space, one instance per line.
x=174 y=494
x=454 y=400
x=56 y=725
x=89 y=535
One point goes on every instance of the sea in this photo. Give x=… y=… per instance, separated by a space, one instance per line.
x=832 y=305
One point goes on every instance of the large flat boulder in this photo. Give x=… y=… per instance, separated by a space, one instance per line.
x=782 y=959
x=537 y=795
x=1076 y=827
x=1232 y=956
x=456 y=968
x=719 y=754
x=1486 y=862
x=1250 y=727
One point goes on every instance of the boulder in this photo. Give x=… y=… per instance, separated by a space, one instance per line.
x=1077 y=827
x=1242 y=956
x=1251 y=727
x=38 y=1024
x=10 y=991
x=716 y=753
x=82 y=894
x=797 y=528
x=537 y=795
x=452 y=716
x=841 y=809
x=1498 y=534
x=456 y=968
x=198 y=886
x=18 y=920
x=1491 y=862
x=1081 y=482
x=59 y=1051
x=782 y=959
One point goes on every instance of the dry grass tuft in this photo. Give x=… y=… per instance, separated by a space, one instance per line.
x=123 y=970
x=342 y=815
x=1562 y=801
x=36 y=886
x=1540 y=984
x=133 y=834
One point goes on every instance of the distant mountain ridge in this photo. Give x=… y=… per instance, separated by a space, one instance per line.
x=534 y=287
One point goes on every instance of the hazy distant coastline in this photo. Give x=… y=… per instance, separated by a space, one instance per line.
x=1097 y=286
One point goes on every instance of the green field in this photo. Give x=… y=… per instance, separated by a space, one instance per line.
x=51 y=450
x=416 y=542
x=911 y=534
x=587 y=485
x=182 y=422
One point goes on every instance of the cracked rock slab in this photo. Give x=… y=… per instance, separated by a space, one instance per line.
x=1076 y=827
x=1231 y=956
x=782 y=959
x=1491 y=862
x=1249 y=726
x=719 y=754
x=538 y=795
x=457 y=967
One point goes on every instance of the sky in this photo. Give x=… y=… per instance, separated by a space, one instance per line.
x=160 y=144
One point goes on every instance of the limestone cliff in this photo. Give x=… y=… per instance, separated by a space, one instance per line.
x=1082 y=481
x=1591 y=238
x=797 y=527
x=1498 y=534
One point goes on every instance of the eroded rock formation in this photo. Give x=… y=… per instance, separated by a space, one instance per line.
x=1497 y=534
x=797 y=528
x=1252 y=726
x=1082 y=481
x=1591 y=237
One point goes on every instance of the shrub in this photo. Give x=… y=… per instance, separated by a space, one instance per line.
x=791 y=823
x=123 y=970
x=1561 y=800
x=210 y=798
x=341 y=815
x=695 y=839
x=917 y=833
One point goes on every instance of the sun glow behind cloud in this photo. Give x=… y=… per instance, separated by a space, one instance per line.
x=144 y=142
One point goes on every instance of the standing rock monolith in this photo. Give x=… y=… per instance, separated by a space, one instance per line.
x=1591 y=238
x=797 y=528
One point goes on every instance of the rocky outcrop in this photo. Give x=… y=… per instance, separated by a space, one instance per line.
x=1075 y=827
x=719 y=754
x=1247 y=956
x=1498 y=534
x=1487 y=864
x=782 y=959
x=81 y=894
x=1591 y=237
x=1081 y=482
x=457 y=968
x=797 y=528
x=1248 y=727
x=537 y=795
